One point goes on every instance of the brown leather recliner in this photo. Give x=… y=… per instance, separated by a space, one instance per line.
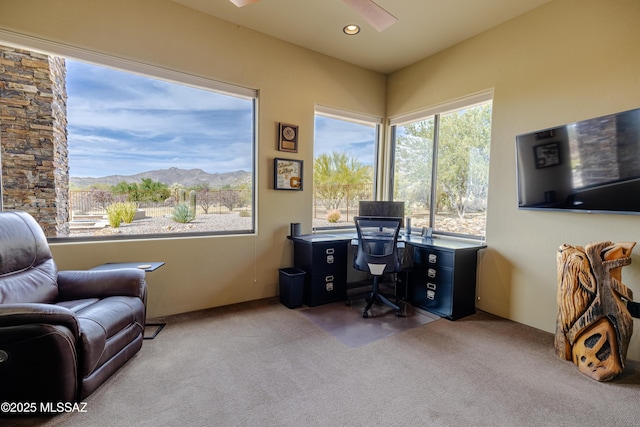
x=62 y=333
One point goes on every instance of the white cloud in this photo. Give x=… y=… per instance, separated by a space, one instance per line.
x=121 y=123
x=337 y=135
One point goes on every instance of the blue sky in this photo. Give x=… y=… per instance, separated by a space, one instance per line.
x=121 y=123
x=338 y=135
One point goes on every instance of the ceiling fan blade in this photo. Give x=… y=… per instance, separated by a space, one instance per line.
x=379 y=18
x=241 y=3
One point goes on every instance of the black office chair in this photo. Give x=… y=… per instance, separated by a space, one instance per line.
x=378 y=253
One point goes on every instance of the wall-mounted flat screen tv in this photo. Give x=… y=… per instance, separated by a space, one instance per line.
x=590 y=166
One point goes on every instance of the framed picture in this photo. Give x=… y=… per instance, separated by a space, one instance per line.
x=547 y=155
x=287 y=174
x=287 y=138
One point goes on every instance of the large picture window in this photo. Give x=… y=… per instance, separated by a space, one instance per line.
x=344 y=165
x=441 y=166
x=151 y=156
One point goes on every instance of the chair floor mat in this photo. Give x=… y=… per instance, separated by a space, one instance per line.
x=350 y=328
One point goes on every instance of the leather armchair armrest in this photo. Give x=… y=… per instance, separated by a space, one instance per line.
x=35 y=313
x=80 y=284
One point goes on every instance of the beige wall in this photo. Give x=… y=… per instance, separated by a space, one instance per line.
x=207 y=271
x=566 y=61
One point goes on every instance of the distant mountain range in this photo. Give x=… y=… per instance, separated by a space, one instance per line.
x=186 y=177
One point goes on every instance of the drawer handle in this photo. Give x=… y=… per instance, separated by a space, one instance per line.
x=433 y=258
x=431 y=295
x=330 y=251
x=329 y=259
x=328 y=279
x=431 y=286
x=431 y=273
x=329 y=286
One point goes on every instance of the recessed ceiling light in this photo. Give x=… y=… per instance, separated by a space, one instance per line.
x=351 y=29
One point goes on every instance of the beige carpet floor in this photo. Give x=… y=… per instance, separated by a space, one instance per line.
x=347 y=325
x=262 y=364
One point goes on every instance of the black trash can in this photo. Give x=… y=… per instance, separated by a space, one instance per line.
x=291 y=286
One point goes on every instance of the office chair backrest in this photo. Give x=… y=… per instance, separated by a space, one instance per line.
x=377 y=244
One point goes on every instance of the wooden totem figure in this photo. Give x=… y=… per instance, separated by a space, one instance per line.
x=594 y=326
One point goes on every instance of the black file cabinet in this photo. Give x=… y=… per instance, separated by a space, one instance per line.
x=443 y=281
x=325 y=263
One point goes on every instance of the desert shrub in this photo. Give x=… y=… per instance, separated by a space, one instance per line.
x=182 y=214
x=128 y=211
x=113 y=215
x=206 y=198
x=120 y=212
x=147 y=190
x=333 y=216
x=101 y=197
x=229 y=198
x=244 y=213
x=192 y=202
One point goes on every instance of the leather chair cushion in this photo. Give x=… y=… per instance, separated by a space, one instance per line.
x=53 y=371
x=36 y=284
x=27 y=269
x=106 y=326
x=79 y=304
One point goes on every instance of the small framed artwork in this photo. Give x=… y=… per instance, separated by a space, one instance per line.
x=287 y=174
x=547 y=155
x=287 y=138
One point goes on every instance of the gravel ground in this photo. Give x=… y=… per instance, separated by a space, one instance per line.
x=473 y=223
x=159 y=225
x=229 y=221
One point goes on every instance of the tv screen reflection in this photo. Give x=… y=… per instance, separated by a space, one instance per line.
x=591 y=165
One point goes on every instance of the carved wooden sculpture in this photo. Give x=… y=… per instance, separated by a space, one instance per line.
x=594 y=326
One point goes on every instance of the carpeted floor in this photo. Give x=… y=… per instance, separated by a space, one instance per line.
x=262 y=364
x=347 y=325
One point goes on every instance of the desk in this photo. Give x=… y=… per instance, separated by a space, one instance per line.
x=442 y=272
x=148 y=267
x=443 y=278
x=324 y=260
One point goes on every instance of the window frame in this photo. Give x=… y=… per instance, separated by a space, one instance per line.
x=49 y=48
x=434 y=112
x=362 y=119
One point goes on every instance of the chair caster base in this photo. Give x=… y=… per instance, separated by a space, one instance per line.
x=365 y=314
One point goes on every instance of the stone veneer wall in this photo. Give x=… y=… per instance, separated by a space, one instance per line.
x=33 y=138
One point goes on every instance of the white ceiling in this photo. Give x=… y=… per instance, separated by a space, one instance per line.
x=424 y=27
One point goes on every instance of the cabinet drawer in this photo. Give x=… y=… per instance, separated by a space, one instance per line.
x=329 y=257
x=431 y=257
x=437 y=275
x=438 y=271
x=325 y=288
x=432 y=296
x=321 y=257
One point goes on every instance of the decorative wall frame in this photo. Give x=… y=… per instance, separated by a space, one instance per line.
x=287 y=138
x=547 y=155
x=287 y=174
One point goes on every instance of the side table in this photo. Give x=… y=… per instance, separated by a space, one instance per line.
x=148 y=267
